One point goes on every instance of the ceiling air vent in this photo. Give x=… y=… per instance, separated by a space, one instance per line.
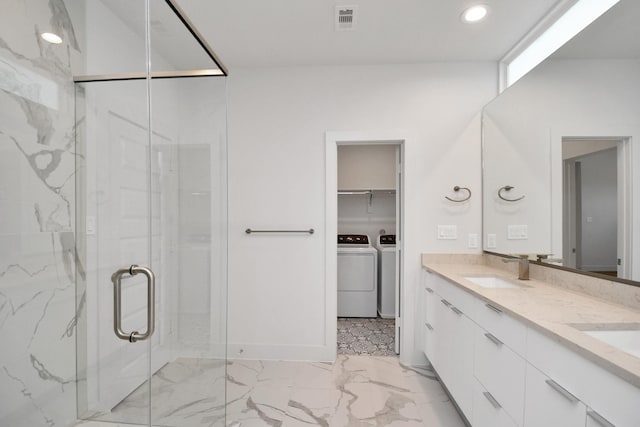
x=345 y=17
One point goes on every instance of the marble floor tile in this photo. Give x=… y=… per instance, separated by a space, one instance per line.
x=354 y=391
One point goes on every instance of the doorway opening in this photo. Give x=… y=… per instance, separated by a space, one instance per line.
x=596 y=205
x=364 y=182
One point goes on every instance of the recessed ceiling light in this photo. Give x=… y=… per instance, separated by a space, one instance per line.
x=51 y=38
x=475 y=13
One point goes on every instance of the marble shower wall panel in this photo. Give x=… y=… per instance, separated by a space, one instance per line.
x=37 y=249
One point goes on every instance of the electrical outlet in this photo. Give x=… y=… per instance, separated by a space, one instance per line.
x=491 y=241
x=473 y=241
x=447 y=232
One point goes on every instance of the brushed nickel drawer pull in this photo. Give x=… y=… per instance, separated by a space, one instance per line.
x=566 y=394
x=492 y=399
x=493 y=339
x=496 y=309
x=456 y=310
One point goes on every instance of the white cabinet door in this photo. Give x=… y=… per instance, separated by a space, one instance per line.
x=488 y=411
x=596 y=420
x=501 y=371
x=550 y=404
x=461 y=359
x=430 y=324
x=443 y=349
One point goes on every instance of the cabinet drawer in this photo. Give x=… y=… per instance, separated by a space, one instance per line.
x=507 y=329
x=487 y=410
x=457 y=296
x=502 y=372
x=431 y=280
x=610 y=396
x=549 y=403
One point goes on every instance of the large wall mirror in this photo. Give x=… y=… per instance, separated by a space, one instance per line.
x=561 y=154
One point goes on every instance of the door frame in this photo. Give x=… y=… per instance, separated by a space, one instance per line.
x=332 y=141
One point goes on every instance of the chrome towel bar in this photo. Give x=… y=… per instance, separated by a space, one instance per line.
x=250 y=231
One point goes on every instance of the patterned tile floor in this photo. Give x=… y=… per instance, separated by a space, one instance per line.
x=366 y=336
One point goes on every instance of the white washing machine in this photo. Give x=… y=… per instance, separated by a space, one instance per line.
x=386 y=248
x=357 y=276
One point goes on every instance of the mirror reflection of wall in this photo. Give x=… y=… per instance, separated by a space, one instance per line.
x=545 y=129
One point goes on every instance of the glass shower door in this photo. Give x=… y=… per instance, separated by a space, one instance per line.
x=151 y=220
x=115 y=220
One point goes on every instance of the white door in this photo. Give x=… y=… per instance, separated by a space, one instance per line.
x=399 y=243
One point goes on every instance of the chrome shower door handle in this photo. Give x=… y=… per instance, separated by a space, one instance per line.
x=116 y=278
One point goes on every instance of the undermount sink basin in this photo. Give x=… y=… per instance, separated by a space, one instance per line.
x=625 y=339
x=493 y=282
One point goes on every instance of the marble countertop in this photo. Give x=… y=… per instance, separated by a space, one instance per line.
x=555 y=312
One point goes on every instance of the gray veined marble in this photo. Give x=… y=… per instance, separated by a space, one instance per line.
x=37 y=262
x=353 y=391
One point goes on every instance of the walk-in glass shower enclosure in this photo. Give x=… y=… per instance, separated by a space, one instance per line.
x=112 y=216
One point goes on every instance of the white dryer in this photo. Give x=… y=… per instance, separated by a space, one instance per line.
x=386 y=248
x=357 y=276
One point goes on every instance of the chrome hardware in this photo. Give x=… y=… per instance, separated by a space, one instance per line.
x=455 y=310
x=116 y=278
x=598 y=418
x=429 y=290
x=493 y=339
x=250 y=231
x=508 y=188
x=445 y=302
x=429 y=326
x=557 y=387
x=457 y=189
x=523 y=266
x=492 y=399
x=545 y=258
x=490 y=307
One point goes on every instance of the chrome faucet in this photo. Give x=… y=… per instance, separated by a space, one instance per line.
x=523 y=266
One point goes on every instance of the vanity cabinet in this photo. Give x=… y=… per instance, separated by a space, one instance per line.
x=502 y=373
x=549 y=403
x=608 y=398
x=449 y=342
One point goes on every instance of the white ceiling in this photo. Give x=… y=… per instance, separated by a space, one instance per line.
x=301 y=32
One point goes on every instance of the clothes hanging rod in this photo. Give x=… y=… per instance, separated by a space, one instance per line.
x=364 y=192
x=250 y=231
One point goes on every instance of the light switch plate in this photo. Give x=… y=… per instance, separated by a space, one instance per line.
x=491 y=241
x=517 y=232
x=90 y=225
x=473 y=241
x=447 y=232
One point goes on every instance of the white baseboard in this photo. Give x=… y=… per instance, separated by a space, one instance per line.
x=281 y=352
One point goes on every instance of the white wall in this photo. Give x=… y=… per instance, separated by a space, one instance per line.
x=278 y=301
x=367 y=167
x=359 y=214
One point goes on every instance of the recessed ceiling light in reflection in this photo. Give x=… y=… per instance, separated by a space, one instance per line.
x=475 y=13
x=51 y=38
